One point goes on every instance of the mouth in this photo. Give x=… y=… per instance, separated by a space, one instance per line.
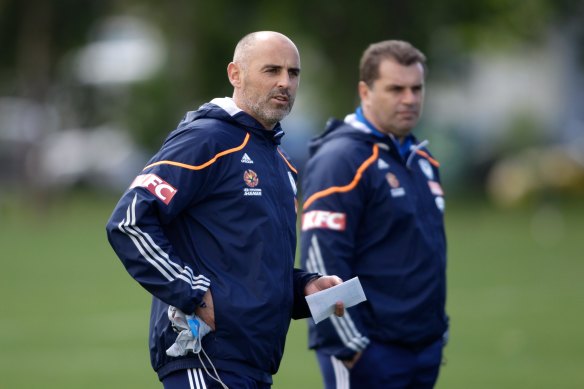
x=408 y=114
x=281 y=98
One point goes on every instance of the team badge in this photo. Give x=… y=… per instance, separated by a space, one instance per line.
x=426 y=168
x=392 y=180
x=396 y=190
x=251 y=178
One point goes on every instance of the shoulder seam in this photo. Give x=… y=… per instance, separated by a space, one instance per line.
x=427 y=156
x=287 y=162
x=206 y=164
x=345 y=188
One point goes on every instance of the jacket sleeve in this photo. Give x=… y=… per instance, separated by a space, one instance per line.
x=135 y=230
x=329 y=231
x=301 y=278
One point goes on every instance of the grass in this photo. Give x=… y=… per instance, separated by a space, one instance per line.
x=71 y=317
x=516 y=297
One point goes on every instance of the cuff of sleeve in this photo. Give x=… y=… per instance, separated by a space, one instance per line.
x=301 y=279
x=346 y=355
x=196 y=301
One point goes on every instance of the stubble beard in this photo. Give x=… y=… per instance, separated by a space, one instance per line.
x=261 y=110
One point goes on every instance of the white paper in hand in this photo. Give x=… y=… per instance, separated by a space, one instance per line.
x=322 y=304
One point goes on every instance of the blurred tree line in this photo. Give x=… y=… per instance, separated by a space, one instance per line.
x=37 y=38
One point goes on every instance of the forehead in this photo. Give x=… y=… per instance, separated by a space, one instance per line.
x=278 y=52
x=391 y=72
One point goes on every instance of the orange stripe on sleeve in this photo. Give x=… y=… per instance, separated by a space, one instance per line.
x=346 y=188
x=208 y=163
x=287 y=162
x=430 y=159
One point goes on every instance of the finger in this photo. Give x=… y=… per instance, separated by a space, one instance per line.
x=339 y=308
x=331 y=281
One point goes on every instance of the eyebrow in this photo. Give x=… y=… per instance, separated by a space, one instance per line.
x=267 y=66
x=420 y=85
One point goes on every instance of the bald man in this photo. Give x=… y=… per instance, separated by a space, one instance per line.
x=209 y=229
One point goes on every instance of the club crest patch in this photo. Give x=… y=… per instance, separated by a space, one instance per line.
x=392 y=180
x=396 y=190
x=252 y=180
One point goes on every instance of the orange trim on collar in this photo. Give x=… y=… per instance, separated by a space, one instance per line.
x=430 y=159
x=287 y=162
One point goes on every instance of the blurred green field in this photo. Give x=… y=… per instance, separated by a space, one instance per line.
x=70 y=316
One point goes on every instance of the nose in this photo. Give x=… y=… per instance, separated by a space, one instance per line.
x=410 y=96
x=284 y=80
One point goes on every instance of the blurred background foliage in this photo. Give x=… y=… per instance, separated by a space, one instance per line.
x=89 y=90
x=504 y=76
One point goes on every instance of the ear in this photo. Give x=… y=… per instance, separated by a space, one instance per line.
x=363 y=90
x=234 y=74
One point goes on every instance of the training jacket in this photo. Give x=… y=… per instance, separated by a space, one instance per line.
x=216 y=208
x=371 y=213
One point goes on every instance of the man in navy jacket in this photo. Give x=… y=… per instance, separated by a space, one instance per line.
x=373 y=208
x=209 y=227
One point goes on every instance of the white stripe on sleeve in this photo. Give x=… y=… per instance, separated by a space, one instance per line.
x=344 y=325
x=156 y=256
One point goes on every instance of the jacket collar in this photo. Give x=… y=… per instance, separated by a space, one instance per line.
x=243 y=118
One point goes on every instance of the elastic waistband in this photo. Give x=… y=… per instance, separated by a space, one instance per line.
x=231 y=366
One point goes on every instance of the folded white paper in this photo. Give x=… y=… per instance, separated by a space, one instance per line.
x=322 y=304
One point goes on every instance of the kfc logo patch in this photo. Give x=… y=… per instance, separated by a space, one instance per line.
x=155 y=185
x=324 y=219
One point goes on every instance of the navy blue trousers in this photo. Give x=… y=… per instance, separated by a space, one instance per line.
x=385 y=366
x=199 y=379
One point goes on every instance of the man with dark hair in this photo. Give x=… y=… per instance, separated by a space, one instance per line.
x=373 y=208
x=215 y=210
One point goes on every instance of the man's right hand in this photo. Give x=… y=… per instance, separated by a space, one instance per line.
x=351 y=362
x=206 y=311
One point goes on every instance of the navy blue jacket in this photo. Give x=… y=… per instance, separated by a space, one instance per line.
x=216 y=208
x=371 y=213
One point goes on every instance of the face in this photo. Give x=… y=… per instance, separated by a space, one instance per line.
x=394 y=102
x=265 y=86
